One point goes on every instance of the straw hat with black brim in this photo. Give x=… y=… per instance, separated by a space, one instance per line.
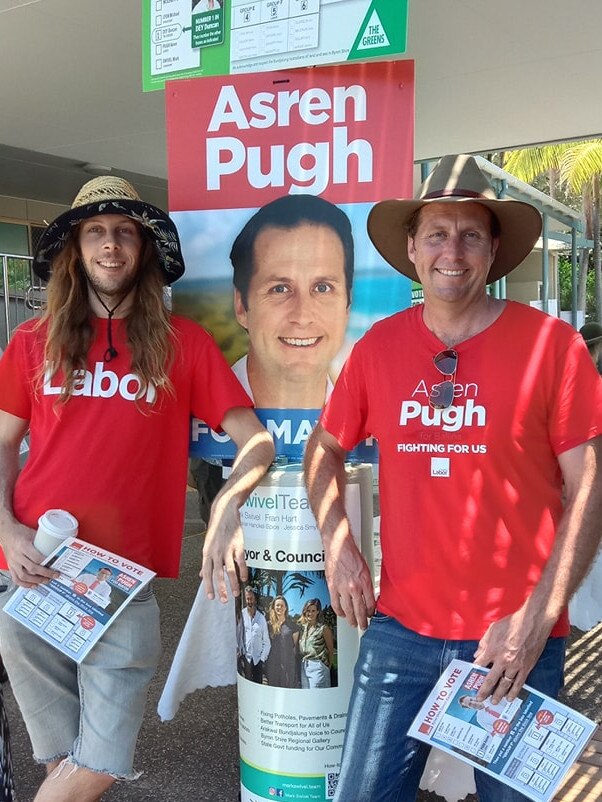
x=112 y=195
x=456 y=179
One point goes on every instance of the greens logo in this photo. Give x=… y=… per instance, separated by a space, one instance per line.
x=383 y=32
x=374 y=34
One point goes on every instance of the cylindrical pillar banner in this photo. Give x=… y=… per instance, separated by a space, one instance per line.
x=294 y=683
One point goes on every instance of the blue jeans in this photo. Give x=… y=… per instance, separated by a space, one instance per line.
x=395 y=671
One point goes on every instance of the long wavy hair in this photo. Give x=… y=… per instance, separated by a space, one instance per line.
x=70 y=331
x=273 y=620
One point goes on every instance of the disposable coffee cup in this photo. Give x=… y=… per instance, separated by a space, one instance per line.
x=54 y=526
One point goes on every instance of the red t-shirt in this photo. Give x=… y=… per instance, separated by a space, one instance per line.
x=471 y=495
x=118 y=465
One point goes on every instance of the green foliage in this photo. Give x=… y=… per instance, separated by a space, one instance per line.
x=541 y=167
x=566 y=289
x=573 y=169
x=576 y=163
x=19 y=275
x=213 y=310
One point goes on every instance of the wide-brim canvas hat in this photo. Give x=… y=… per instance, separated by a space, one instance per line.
x=591 y=333
x=112 y=195
x=456 y=179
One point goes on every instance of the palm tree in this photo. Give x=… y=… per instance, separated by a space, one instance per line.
x=577 y=166
x=277 y=583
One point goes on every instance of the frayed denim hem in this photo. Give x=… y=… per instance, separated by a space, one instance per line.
x=74 y=765
x=43 y=761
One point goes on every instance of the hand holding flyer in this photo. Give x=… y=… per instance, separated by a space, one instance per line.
x=73 y=611
x=529 y=743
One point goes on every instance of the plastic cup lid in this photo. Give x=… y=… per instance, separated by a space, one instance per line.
x=58 y=522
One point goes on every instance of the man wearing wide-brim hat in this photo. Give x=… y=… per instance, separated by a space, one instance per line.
x=483 y=409
x=106 y=381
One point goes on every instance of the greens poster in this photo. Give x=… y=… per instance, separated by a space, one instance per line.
x=188 y=38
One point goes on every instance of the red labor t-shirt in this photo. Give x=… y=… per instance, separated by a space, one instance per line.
x=470 y=496
x=118 y=465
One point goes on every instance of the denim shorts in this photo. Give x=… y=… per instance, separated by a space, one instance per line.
x=394 y=673
x=90 y=713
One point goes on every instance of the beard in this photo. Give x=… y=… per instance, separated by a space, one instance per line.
x=106 y=286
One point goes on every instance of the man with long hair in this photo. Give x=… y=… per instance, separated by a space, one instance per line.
x=106 y=381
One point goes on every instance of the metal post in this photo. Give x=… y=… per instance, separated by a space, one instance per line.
x=574 y=277
x=545 y=288
x=6 y=295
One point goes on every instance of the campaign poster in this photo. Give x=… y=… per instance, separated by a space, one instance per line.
x=295 y=658
x=192 y=38
x=271 y=179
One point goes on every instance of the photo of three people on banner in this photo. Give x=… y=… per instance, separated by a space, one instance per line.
x=283 y=649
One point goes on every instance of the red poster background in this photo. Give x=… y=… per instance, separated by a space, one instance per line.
x=264 y=118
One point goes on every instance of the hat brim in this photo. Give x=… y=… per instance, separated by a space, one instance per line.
x=520 y=226
x=591 y=333
x=159 y=227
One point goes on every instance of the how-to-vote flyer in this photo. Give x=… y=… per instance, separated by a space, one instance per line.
x=199 y=38
x=72 y=612
x=528 y=744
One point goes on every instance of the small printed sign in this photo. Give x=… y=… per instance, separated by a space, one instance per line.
x=208 y=28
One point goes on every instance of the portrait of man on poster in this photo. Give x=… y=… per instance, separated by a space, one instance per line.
x=293 y=271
